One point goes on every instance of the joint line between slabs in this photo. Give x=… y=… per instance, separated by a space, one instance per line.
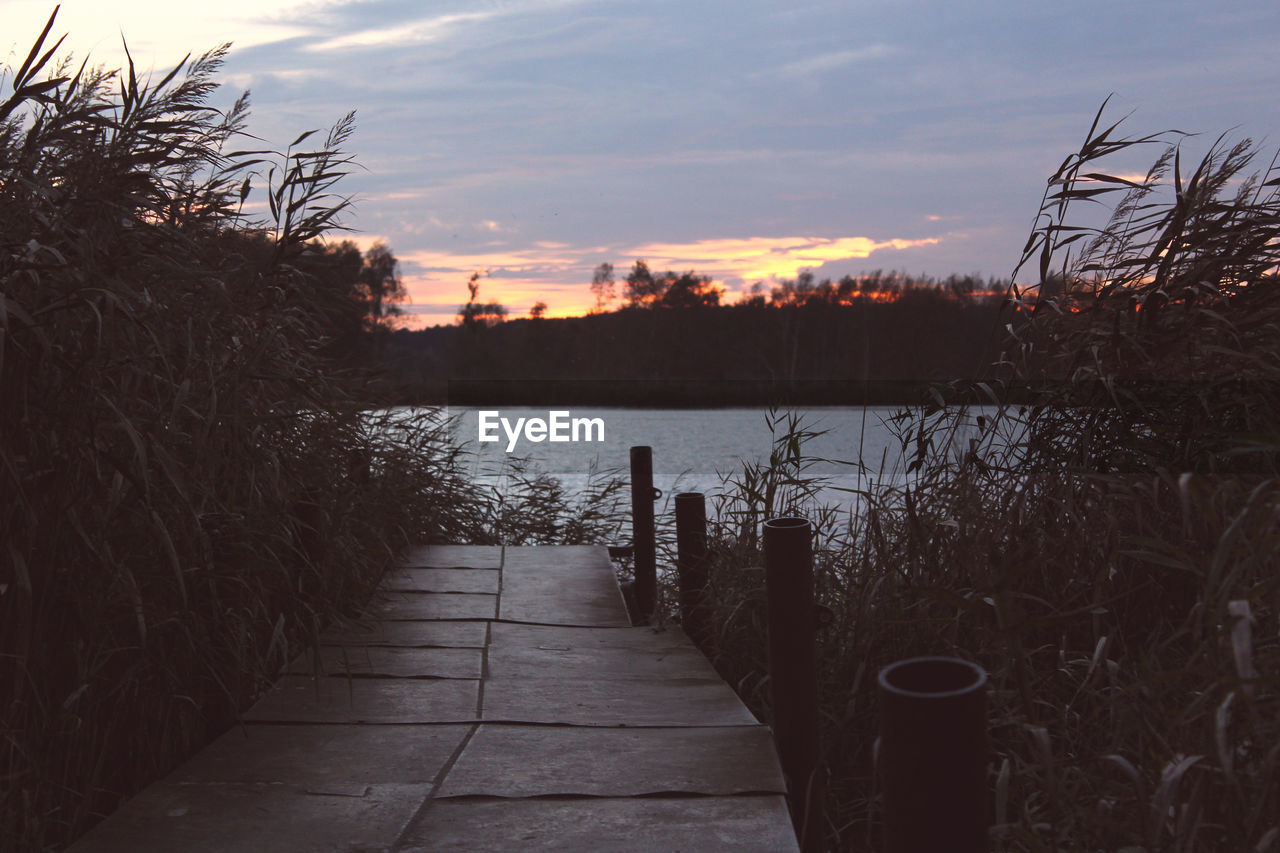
x=497 y=601
x=484 y=671
x=435 y=787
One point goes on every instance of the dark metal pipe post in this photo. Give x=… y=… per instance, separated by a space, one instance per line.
x=642 y=498
x=793 y=670
x=933 y=755
x=691 y=564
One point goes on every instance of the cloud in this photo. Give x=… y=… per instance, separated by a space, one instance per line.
x=581 y=131
x=447 y=309
x=496 y=258
x=462 y=26
x=837 y=59
x=757 y=258
x=159 y=32
x=363 y=241
x=420 y=32
x=558 y=273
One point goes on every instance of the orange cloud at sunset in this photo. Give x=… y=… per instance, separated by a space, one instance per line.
x=757 y=258
x=515 y=276
x=559 y=274
x=544 y=257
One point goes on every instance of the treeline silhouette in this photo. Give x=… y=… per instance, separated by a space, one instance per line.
x=873 y=339
x=877 y=286
x=644 y=289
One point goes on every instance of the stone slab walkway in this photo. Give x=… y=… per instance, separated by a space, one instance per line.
x=492 y=699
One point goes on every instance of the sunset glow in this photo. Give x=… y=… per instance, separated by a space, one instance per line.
x=532 y=141
x=765 y=258
x=560 y=274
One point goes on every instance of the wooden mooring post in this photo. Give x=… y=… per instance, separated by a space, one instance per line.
x=691 y=565
x=643 y=496
x=932 y=755
x=793 y=671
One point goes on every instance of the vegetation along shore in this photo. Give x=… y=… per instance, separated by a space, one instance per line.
x=193 y=484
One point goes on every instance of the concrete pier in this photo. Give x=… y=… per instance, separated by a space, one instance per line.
x=491 y=699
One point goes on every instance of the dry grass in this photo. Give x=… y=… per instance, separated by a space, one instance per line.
x=1106 y=547
x=191 y=488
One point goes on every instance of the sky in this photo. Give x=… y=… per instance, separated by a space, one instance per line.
x=531 y=140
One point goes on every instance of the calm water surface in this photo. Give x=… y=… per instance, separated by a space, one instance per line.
x=693 y=449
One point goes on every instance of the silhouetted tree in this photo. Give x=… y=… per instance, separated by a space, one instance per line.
x=602 y=286
x=353 y=294
x=688 y=291
x=642 y=288
x=332 y=274
x=475 y=315
x=380 y=286
x=668 y=289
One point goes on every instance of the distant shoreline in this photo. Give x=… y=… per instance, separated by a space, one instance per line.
x=734 y=393
x=697 y=393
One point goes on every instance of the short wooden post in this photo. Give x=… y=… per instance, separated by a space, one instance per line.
x=643 y=496
x=691 y=565
x=793 y=671
x=932 y=755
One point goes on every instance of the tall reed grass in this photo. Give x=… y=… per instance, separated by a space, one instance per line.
x=189 y=487
x=1105 y=546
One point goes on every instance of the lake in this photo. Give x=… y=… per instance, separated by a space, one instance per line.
x=692 y=448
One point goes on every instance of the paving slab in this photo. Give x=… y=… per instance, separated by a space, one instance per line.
x=630 y=702
x=461 y=635
x=454 y=557
x=442 y=580
x=267 y=817
x=749 y=824
x=504 y=635
x=302 y=699
x=390 y=662
x=320 y=757
x=564 y=585
x=537 y=761
x=580 y=732
x=401 y=606
x=549 y=660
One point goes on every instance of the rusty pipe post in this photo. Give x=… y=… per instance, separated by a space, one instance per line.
x=691 y=565
x=932 y=755
x=642 y=533
x=793 y=671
